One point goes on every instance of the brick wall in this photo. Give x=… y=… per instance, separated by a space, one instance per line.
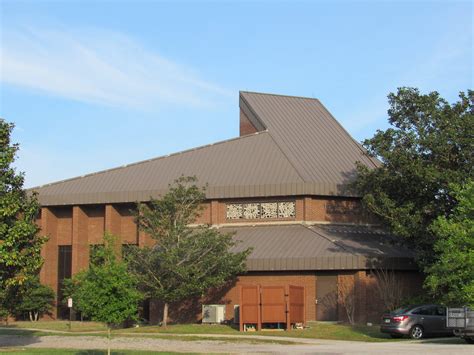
x=190 y=311
x=246 y=127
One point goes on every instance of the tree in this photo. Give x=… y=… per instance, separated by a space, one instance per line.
x=106 y=292
x=346 y=297
x=20 y=242
x=428 y=147
x=34 y=299
x=451 y=276
x=186 y=260
x=390 y=288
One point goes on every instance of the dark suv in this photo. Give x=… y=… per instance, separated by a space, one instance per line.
x=416 y=321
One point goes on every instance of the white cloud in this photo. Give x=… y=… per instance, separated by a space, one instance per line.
x=100 y=67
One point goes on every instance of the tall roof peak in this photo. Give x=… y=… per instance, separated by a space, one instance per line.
x=304 y=151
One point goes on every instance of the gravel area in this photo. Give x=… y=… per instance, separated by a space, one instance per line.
x=305 y=346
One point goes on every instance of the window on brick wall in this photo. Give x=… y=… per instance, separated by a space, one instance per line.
x=64 y=272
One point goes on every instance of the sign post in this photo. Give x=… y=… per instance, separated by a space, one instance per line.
x=69 y=305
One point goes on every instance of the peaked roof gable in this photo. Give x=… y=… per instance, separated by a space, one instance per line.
x=300 y=150
x=314 y=142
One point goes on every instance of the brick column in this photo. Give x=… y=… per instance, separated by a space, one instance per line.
x=49 y=252
x=80 y=240
x=214 y=212
x=307 y=203
x=361 y=297
x=112 y=224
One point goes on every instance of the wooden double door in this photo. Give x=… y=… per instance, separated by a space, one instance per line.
x=272 y=304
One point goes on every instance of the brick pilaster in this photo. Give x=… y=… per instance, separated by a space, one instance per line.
x=80 y=240
x=49 y=271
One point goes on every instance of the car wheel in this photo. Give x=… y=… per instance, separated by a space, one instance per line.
x=417 y=332
x=396 y=336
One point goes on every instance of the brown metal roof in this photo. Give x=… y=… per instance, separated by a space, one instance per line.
x=303 y=152
x=310 y=137
x=300 y=247
x=251 y=165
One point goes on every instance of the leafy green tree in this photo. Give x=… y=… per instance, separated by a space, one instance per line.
x=106 y=292
x=34 y=299
x=20 y=242
x=429 y=146
x=451 y=277
x=187 y=260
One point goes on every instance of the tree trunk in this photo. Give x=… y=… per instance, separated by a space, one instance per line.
x=165 y=315
x=30 y=315
x=36 y=314
x=108 y=342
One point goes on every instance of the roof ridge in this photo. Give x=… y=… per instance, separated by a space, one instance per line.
x=280 y=95
x=286 y=157
x=300 y=171
x=149 y=160
x=321 y=234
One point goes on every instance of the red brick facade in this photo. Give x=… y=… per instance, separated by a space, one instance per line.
x=81 y=226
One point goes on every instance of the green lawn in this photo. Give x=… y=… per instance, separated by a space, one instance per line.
x=315 y=330
x=78 y=352
x=60 y=325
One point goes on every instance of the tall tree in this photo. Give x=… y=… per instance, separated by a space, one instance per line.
x=187 y=260
x=451 y=277
x=429 y=146
x=106 y=292
x=20 y=242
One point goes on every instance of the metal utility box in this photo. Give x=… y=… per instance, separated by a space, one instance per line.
x=271 y=304
x=213 y=313
x=461 y=320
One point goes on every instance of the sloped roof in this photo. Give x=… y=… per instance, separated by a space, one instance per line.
x=300 y=150
x=319 y=247
x=319 y=148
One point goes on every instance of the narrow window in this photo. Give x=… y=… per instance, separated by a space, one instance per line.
x=64 y=272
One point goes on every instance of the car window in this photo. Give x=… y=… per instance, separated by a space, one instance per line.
x=401 y=310
x=425 y=310
x=440 y=311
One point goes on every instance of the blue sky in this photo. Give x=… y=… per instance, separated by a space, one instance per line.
x=92 y=85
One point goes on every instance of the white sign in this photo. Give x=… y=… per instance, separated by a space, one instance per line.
x=69 y=302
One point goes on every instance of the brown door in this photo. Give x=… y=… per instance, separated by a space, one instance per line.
x=249 y=305
x=326 y=293
x=296 y=303
x=273 y=304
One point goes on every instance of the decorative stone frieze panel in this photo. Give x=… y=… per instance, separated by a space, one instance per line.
x=261 y=210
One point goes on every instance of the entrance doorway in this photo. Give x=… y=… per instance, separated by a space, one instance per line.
x=326 y=296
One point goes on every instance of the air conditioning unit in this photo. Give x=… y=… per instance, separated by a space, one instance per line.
x=213 y=313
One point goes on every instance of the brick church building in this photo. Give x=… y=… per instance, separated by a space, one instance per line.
x=281 y=186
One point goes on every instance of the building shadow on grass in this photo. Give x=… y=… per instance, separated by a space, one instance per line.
x=11 y=336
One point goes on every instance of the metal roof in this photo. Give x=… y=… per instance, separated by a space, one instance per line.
x=310 y=137
x=302 y=150
x=320 y=247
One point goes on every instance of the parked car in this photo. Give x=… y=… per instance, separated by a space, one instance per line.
x=416 y=321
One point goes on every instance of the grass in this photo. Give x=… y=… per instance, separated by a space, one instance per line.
x=60 y=326
x=316 y=330
x=79 y=352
